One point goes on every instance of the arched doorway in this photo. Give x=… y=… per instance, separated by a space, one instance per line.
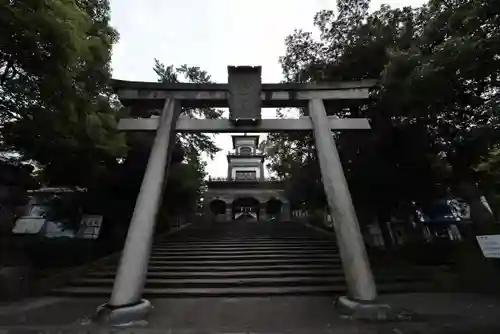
x=273 y=209
x=218 y=209
x=246 y=208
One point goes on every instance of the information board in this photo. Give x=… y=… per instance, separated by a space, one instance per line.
x=490 y=245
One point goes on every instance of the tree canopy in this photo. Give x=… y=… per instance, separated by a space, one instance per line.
x=58 y=112
x=55 y=105
x=186 y=182
x=434 y=115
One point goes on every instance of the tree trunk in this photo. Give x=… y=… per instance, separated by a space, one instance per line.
x=481 y=216
x=476 y=273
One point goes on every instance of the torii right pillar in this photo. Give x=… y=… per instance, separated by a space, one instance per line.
x=361 y=301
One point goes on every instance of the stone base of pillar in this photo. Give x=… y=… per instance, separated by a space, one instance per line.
x=127 y=315
x=365 y=310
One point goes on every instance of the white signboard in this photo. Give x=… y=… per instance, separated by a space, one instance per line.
x=28 y=225
x=490 y=245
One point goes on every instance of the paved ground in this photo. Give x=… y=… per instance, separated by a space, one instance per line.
x=435 y=313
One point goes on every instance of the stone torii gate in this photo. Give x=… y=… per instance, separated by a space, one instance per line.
x=245 y=96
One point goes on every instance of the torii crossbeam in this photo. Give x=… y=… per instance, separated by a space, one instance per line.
x=245 y=96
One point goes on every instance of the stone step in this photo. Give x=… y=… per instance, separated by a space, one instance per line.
x=329 y=275
x=246 y=250
x=219 y=282
x=191 y=257
x=239 y=281
x=246 y=244
x=246 y=234
x=248 y=262
x=245 y=247
x=242 y=254
x=105 y=292
x=248 y=239
x=240 y=260
x=332 y=289
x=226 y=274
x=179 y=267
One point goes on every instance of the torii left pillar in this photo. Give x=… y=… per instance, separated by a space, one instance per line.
x=126 y=304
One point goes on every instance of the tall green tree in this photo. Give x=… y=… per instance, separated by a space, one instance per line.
x=433 y=115
x=195 y=143
x=185 y=183
x=115 y=196
x=454 y=67
x=55 y=107
x=192 y=171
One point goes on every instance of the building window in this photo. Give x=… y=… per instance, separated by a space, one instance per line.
x=246 y=175
x=245 y=150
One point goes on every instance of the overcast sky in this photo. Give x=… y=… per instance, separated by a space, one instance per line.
x=211 y=34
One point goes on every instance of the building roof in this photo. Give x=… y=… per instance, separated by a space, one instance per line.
x=255 y=138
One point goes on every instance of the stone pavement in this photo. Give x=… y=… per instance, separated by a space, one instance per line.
x=428 y=313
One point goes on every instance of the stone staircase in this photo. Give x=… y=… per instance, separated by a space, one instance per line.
x=237 y=259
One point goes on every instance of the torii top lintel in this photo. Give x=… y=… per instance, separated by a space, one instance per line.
x=244 y=93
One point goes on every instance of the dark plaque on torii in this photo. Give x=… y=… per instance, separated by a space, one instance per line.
x=244 y=92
